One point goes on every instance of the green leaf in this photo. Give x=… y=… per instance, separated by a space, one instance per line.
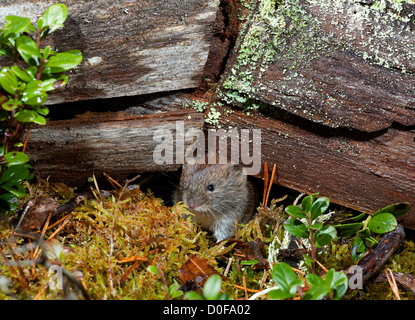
x=348 y=229
x=279 y=294
x=34 y=94
x=314 y=280
x=211 y=289
x=296 y=228
x=28 y=50
x=308 y=202
x=339 y=283
x=17 y=25
x=225 y=296
x=382 y=223
x=324 y=236
x=319 y=207
x=316 y=226
x=174 y=290
x=285 y=277
x=358 y=249
x=46 y=52
x=9 y=81
x=11 y=105
x=153 y=269
x=52 y=19
x=9 y=201
x=15 y=189
x=295 y=211
x=22 y=74
x=39 y=119
x=364 y=233
x=55 y=82
x=25 y=116
x=43 y=110
x=14 y=174
x=249 y=262
x=319 y=288
x=64 y=61
x=397 y=210
x=192 y=295
x=15 y=158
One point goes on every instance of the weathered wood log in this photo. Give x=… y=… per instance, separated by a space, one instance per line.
x=70 y=151
x=364 y=175
x=389 y=243
x=338 y=78
x=338 y=63
x=129 y=48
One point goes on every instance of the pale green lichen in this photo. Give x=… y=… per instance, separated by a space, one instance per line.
x=287 y=32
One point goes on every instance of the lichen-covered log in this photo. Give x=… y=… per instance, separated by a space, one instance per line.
x=129 y=47
x=365 y=175
x=338 y=63
x=70 y=151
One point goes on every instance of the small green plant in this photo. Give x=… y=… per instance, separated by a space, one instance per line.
x=333 y=286
x=305 y=224
x=211 y=291
x=364 y=226
x=173 y=289
x=23 y=92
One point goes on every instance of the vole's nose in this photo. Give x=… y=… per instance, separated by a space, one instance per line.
x=191 y=203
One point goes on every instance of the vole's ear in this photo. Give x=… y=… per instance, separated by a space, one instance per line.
x=237 y=171
x=187 y=167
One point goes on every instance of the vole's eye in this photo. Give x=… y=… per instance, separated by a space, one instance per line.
x=210 y=187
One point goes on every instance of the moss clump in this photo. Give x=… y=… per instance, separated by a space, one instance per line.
x=110 y=256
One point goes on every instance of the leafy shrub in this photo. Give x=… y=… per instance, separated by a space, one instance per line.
x=23 y=92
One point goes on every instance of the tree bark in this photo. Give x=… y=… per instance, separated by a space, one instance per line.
x=70 y=151
x=129 y=47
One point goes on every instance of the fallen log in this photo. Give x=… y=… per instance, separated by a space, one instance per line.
x=373 y=262
x=118 y=144
x=389 y=243
x=336 y=81
x=365 y=175
x=129 y=48
x=343 y=64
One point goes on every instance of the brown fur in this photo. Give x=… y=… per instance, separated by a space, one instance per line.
x=233 y=196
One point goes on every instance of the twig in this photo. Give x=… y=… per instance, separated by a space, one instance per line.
x=321 y=265
x=271 y=181
x=59 y=221
x=264 y=279
x=112 y=181
x=245 y=288
x=228 y=266
x=297 y=199
x=37 y=296
x=265 y=183
x=161 y=274
x=392 y=283
x=45 y=226
x=298 y=271
x=25 y=141
x=59 y=229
